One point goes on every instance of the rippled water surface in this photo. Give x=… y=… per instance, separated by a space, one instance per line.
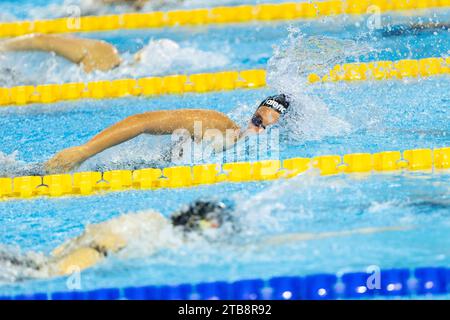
x=333 y=118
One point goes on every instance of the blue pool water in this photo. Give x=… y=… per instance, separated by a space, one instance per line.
x=340 y=118
x=213 y=48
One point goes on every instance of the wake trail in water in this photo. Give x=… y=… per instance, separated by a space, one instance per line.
x=17 y=266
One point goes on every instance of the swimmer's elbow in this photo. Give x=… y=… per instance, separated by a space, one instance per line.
x=139 y=118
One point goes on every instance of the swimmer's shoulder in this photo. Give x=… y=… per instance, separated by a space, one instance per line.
x=194 y=111
x=188 y=112
x=210 y=115
x=214 y=117
x=139 y=218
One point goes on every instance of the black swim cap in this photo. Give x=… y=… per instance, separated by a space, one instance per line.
x=190 y=217
x=280 y=103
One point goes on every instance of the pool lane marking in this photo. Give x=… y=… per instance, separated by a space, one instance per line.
x=216 y=81
x=385 y=70
x=148 y=86
x=94 y=183
x=217 y=15
x=398 y=282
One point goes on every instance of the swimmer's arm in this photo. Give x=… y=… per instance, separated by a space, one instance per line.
x=118 y=133
x=154 y=122
x=92 y=54
x=67 y=47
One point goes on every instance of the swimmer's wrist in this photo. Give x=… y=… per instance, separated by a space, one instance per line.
x=86 y=151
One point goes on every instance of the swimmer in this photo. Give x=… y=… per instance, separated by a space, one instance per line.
x=209 y=220
x=91 y=54
x=166 y=122
x=98 y=241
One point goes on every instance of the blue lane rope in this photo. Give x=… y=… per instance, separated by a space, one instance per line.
x=393 y=283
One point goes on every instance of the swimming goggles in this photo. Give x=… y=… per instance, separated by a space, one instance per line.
x=257 y=121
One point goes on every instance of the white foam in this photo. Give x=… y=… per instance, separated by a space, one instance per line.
x=11 y=166
x=17 y=266
x=9 y=163
x=162 y=56
x=299 y=55
x=145 y=151
x=376 y=207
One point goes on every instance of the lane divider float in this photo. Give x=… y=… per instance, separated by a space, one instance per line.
x=217 y=15
x=89 y=183
x=218 y=81
x=149 y=86
x=385 y=70
x=400 y=282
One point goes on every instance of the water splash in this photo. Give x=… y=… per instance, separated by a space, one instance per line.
x=309 y=117
x=17 y=266
x=12 y=166
x=166 y=56
x=273 y=209
x=142 y=152
x=299 y=55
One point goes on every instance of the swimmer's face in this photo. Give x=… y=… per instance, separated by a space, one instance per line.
x=262 y=118
x=202 y=216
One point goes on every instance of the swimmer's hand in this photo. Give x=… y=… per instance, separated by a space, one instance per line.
x=67 y=160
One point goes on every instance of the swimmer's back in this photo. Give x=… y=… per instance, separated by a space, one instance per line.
x=114 y=234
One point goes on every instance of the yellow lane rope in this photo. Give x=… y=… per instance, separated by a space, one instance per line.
x=89 y=183
x=384 y=70
x=236 y=14
x=175 y=84
x=218 y=81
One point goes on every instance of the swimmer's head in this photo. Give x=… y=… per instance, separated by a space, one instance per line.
x=202 y=215
x=269 y=112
